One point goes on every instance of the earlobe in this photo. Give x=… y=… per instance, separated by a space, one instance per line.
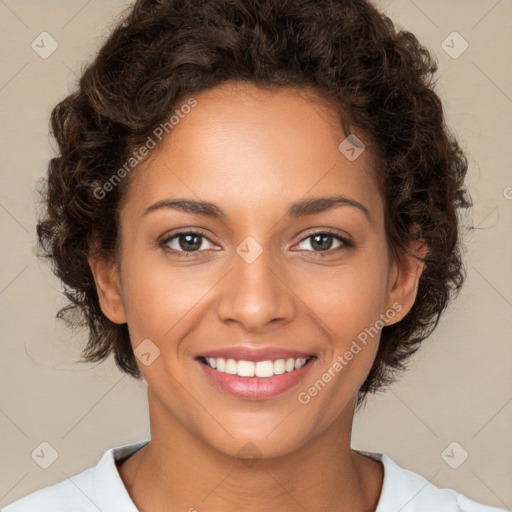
x=404 y=286
x=108 y=287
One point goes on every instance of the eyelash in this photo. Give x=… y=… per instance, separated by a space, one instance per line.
x=347 y=244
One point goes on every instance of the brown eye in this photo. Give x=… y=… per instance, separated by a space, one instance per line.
x=184 y=242
x=322 y=241
x=190 y=242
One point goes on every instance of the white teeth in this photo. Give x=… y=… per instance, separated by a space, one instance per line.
x=264 y=369
x=231 y=366
x=260 y=369
x=290 y=364
x=246 y=368
x=279 y=367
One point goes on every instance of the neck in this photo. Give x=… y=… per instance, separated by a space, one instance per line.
x=178 y=471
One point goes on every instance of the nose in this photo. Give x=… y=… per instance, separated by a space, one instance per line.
x=256 y=294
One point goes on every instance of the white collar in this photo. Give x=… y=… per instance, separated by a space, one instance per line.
x=402 y=489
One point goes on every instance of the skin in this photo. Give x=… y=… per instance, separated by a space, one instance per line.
x=253 y=152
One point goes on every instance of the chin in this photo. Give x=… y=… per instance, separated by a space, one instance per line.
x=251 y=448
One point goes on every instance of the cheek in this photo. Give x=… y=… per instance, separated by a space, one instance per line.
x=158 y=297
x=352 y=299
x=350 y=306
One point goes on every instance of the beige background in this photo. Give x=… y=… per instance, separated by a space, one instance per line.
x=459 y=386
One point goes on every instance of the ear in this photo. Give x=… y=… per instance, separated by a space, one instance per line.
x=404 y=278
x=108 y=287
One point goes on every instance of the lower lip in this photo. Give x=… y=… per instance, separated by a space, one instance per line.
x=256 y=388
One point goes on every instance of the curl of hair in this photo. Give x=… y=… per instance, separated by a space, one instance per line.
x=380 y=80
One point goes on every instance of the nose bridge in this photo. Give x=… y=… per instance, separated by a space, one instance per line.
x=254 y=293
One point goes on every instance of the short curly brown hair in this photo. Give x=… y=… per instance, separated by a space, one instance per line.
x=379 y=78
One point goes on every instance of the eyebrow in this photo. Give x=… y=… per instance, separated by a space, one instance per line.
x=301 y=208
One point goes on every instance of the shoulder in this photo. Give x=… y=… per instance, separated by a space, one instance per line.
x=408 y=491
x=75 y=493
x=97 y=488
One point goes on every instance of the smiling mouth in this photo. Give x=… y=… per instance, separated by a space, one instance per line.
x=258 y=369
x=255 y=380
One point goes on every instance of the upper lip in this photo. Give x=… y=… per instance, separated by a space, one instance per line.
x=254 y=354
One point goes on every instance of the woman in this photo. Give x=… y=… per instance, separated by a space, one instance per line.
x=254 y=209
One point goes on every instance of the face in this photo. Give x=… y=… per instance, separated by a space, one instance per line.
x=261 y=273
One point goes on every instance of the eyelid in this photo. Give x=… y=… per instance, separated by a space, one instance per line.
x=346 y=242
x=186 y=231
x=327 y=231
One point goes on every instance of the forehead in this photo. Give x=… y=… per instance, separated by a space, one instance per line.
x=244 y=146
